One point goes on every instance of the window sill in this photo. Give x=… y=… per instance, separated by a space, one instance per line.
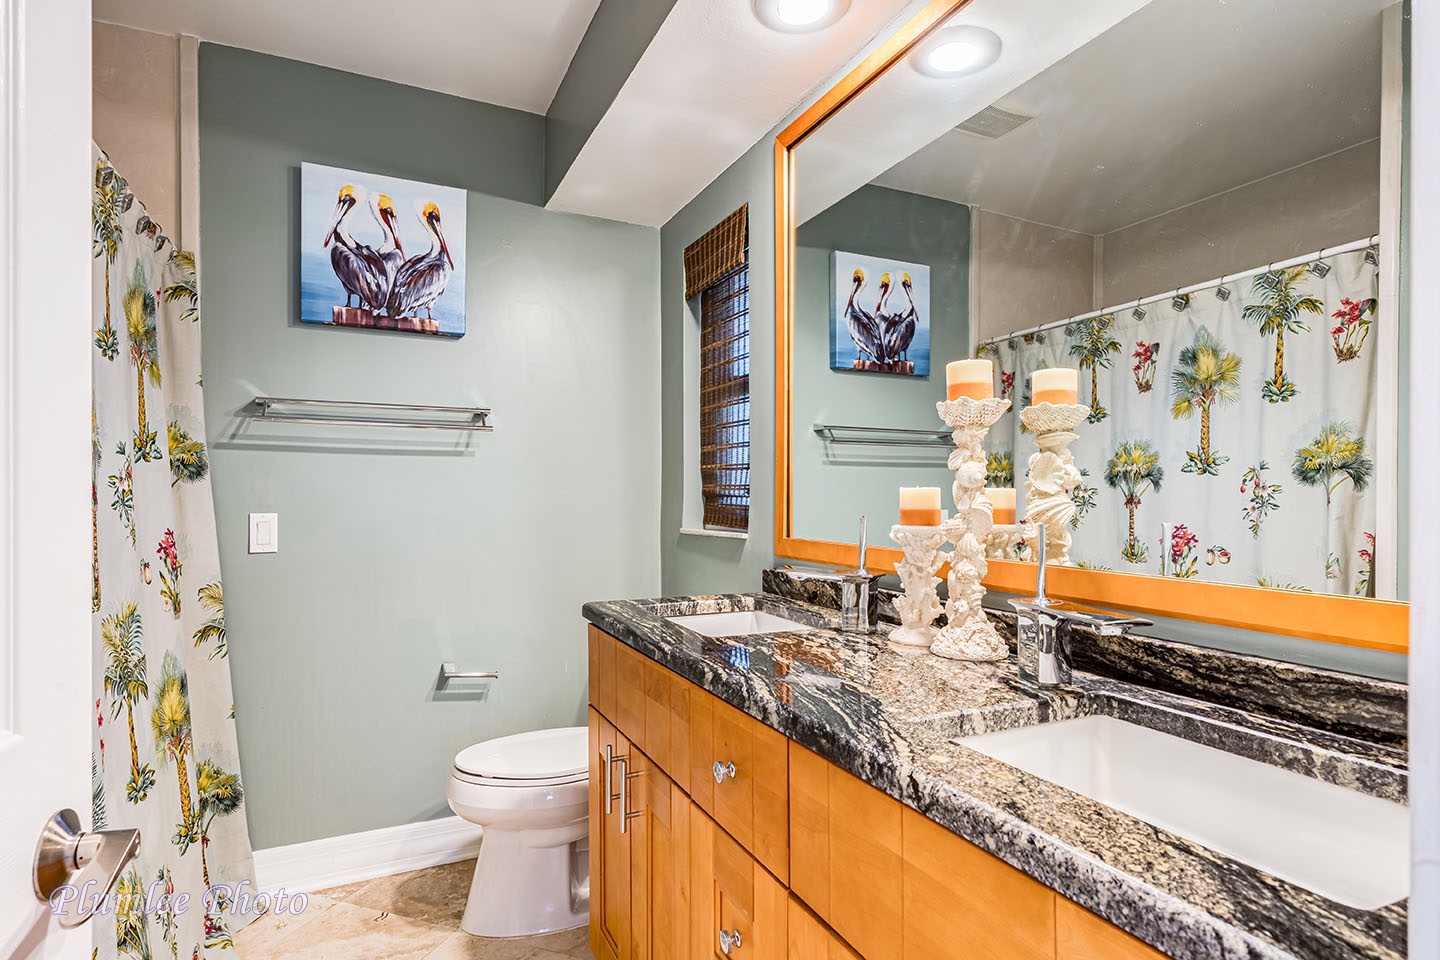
x=722 y=534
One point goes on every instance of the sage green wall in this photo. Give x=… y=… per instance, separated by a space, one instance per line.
x=403 y=548
x=842 y=482
x=697 y=564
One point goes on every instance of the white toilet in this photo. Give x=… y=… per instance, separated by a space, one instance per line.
x=529 y=793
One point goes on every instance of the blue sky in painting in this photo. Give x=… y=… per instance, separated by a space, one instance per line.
x=320 y=289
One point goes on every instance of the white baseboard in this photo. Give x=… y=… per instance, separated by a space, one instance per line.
x=332 y=861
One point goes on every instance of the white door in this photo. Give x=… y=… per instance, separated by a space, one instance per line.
x=45 y=651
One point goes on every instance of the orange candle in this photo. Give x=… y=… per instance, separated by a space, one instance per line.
x=1003 y=500
x=969 y=378
x=1060 y=385
x=920 y=506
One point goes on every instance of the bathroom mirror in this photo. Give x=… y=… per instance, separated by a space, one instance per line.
x=1197 y=205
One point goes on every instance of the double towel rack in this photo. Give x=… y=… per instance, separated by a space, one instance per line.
x=450 y=418
x=883 y=436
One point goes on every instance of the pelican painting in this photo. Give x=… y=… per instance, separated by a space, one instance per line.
x=881 y=315
x=381 y=252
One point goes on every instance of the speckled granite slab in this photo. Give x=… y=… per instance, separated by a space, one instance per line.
x=1344 y=703
x=891 y=720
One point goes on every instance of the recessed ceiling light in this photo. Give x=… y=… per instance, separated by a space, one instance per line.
x=957 y=51
x=800 y=16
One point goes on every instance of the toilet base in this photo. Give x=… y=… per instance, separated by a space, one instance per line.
x=521 y=890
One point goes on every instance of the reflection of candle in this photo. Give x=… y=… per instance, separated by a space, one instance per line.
x=1003 y=500
x=1056 y=385
x=969 y=378
x=920 y=506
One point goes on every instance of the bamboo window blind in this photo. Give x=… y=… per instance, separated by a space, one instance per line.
x=717 y=269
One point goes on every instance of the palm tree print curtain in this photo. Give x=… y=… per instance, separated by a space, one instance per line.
x=165 y=757
x=1246 y=422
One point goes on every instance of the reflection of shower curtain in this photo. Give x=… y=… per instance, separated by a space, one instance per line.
x=165 y=758
x=1248 y=422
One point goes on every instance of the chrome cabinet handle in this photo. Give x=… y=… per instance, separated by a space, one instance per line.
x=729 y=940
x=67 y=859
x=721 y=771
x=609 y=785
x=625 y=776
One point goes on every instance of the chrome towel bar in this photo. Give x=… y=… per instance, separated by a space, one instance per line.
x=474 y=418
x=883 y=436
x=449 y=671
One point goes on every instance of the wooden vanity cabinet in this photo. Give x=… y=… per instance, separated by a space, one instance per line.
x=792 y=855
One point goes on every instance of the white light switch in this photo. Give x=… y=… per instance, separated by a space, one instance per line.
x=264 y=533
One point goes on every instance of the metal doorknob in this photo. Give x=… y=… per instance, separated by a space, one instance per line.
x=68 y=856
x=721 y=771
x=729 y=940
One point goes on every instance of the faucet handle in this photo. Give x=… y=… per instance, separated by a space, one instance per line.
x=1105 y=624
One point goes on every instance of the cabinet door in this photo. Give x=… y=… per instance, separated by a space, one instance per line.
x=845 y=853
x=610 y=856
x=812 y=940
x=659 y=837
x=753 y=801
x=739 y=910
x=602 y=672
x=961 y=901
x=1080 y=935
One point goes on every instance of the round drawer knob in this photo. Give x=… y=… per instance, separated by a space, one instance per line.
x=729 y=939
x=721 y=771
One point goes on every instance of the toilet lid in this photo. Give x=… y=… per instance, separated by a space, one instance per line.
x=537 y=755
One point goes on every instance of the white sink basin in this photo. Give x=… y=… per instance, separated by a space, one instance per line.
x=738 y=623
x=1344 y=845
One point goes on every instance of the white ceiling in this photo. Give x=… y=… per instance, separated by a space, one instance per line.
x=904 y=109
x=713 y=82
x=509 y=52
x=1183 y=100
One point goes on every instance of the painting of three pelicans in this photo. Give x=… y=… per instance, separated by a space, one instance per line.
x=381 y=252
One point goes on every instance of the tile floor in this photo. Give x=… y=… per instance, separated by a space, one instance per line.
x=408 y=916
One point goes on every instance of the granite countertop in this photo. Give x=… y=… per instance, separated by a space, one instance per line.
x=891 y=721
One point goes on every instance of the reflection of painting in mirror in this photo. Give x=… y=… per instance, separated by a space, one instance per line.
x=1256 y=417
x=881 y=320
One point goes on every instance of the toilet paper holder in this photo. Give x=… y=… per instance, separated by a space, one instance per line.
x=449 y=671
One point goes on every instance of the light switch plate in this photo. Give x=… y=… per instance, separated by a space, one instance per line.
x=264 y=533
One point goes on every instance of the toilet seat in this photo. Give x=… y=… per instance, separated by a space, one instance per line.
x=539 y=758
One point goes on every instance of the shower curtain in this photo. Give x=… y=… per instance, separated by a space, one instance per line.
x=165 y=758
x=1245 y=419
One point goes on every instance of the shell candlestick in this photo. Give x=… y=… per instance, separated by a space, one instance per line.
x=1052 y=475
x=920 y=604
x=968 y=634
x=969 y=378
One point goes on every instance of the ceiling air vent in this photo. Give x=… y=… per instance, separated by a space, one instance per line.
x=992 y=123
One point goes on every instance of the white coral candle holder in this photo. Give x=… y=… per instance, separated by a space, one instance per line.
x=968 y=634
x=1053 y=475
x=920 y=604
x=1005 y=540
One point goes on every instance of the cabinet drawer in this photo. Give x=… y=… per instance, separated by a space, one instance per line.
x=846 y=856
x=602 y=672
x=732 y=894
x=630 y=668
x=812 y=940
x=753 y=801
x=667 y=721
x=1080 y=935
x=957 y=894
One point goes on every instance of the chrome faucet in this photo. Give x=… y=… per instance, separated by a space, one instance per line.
x=1042 y=629
x=855 y=593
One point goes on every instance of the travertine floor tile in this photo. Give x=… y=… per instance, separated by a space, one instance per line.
x=462 y=946
x=436 y=894
x=348 y=932
x=259 y=938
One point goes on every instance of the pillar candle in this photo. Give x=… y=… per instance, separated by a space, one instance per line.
x=969 y=378
x=1003 y=500
x=1059 y=385
x=920 y=506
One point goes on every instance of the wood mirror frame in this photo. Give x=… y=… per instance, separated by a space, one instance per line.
x=1355 y=621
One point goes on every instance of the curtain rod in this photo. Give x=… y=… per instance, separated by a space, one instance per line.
x=1193 y=288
